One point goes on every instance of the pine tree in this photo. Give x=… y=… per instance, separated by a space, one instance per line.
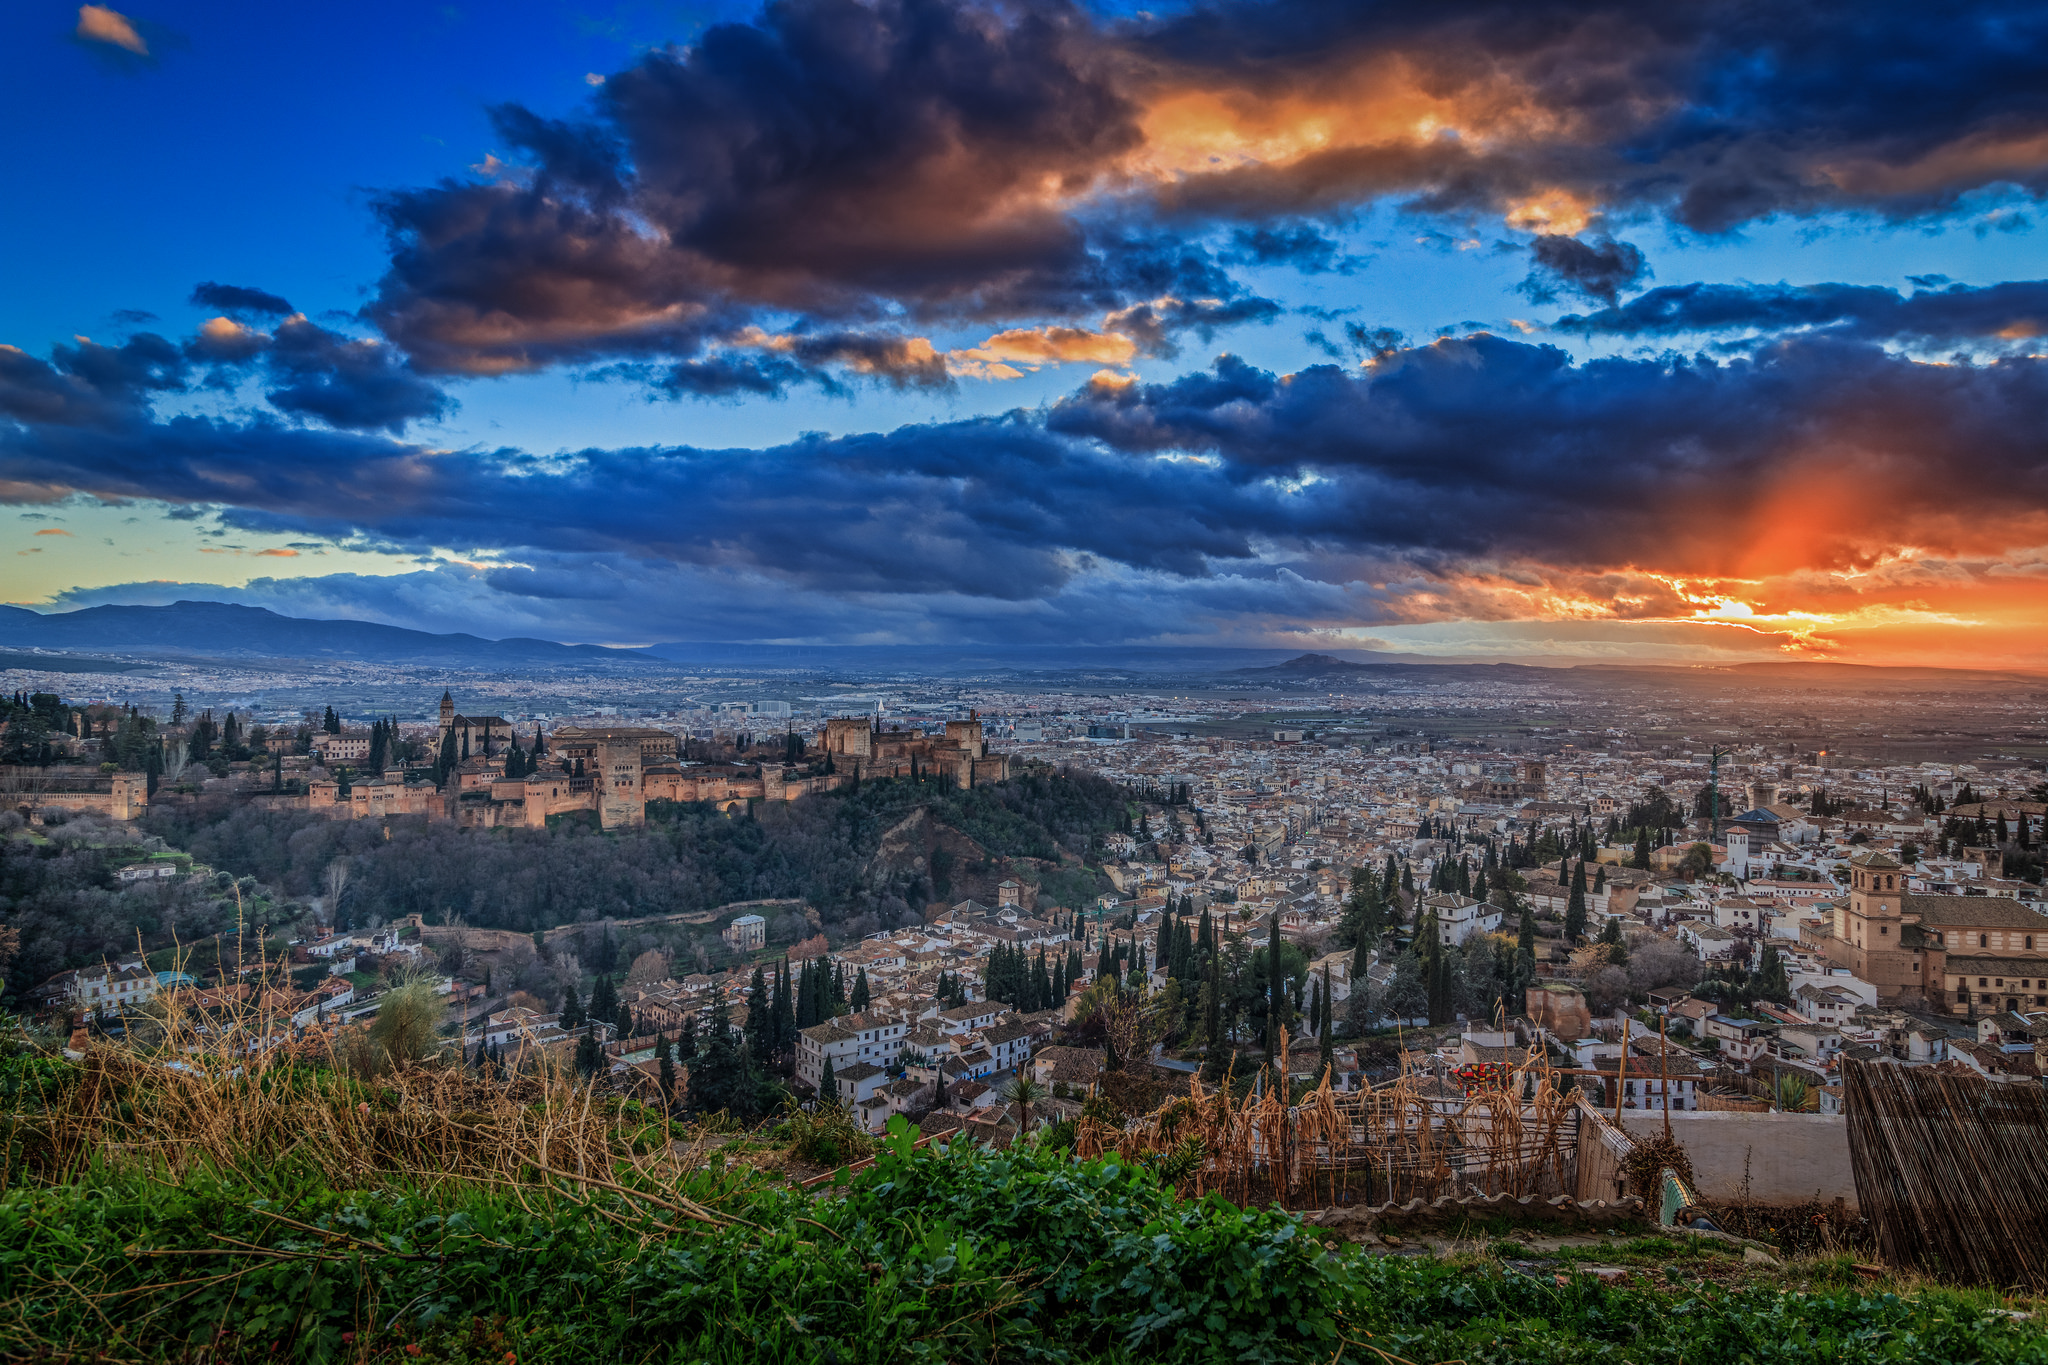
x=572 y=1011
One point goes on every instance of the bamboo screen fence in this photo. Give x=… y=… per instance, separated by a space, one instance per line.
x=1952 y=1171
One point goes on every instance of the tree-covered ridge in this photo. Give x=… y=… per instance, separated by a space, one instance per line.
x=688 y=858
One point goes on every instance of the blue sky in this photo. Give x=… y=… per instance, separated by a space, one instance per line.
x=762 y=244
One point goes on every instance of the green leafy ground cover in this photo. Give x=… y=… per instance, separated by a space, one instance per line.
x=955 y=1254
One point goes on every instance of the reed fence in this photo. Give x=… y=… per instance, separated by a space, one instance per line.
x=1951 y=1171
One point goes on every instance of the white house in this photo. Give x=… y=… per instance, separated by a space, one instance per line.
x=1458 y=917
x=1745 y=913
x=851 y=1040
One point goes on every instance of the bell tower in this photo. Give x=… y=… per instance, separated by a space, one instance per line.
x=447 y=711
x=1872 y=926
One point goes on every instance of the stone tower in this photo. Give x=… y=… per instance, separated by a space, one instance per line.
x=447 y=712
x=621 y=803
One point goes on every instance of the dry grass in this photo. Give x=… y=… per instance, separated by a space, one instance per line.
x=1403 y=1141
x=218 y=1090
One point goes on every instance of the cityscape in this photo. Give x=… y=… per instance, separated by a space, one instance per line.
x=987 y=680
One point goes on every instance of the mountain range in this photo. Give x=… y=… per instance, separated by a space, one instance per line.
x=221 y=630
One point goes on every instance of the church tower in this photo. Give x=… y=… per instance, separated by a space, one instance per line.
x=447 y=712
x=1872 y=926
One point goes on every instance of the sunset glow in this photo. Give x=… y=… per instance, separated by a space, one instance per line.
x=1248 y=322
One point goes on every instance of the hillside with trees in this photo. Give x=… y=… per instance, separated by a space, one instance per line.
x=688 y=858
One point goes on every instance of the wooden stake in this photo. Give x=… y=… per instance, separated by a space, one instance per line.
x=1621 y=1075
x=1664 y=1069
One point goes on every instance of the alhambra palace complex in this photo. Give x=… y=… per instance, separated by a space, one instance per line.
x=616 y=770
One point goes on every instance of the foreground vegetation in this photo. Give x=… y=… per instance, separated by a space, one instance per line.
x=287 y=1210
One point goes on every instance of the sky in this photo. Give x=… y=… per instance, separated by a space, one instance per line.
x=1592 y=330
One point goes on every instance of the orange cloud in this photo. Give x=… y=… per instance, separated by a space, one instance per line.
x=98 y=24
x=277 y=554
x=1054 y=346
x=52 y=531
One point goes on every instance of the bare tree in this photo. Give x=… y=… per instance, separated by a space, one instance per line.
x=337 y=882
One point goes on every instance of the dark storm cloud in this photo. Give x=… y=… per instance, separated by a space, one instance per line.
x=1717 y=113
x=1476 y=450
x=238 y=301
x=1598 y=270
x=1304 y=246
x=346 y=383
x=2016 y=311
x=88 y=384
x=875 y=168
x=832 y=161
x=311 y=372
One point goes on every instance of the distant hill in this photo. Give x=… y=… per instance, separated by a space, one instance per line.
x=1305 y=667
x=222 y=629
x=1836 y=676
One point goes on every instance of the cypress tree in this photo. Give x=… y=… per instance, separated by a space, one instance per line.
x=860 y=991
x=723 y=1078
x=1575 y=906
x=1275 y=984
x=785 y=1013
x=572 y=1010
x=828 y=1084
x=1325 y=1026
x=777 y=999
x=760 y=1018
x=1212 y=1020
